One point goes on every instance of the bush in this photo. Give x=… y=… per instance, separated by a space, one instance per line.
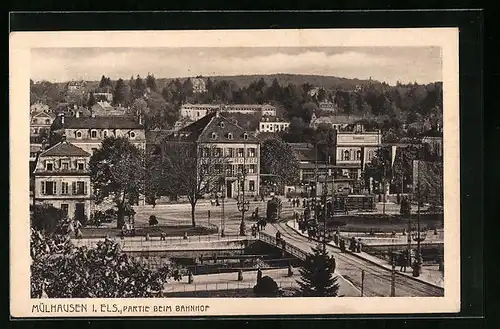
x=405 y=207
x=152 y=220
x=266 y=287
x=46 y=218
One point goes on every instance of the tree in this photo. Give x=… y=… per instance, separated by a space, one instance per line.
x=91 y=101
x=45 y=218
x=151 y=82
x=61 y=270
x=380 y=167
x=405 y=207
x=317 y=275
x=193 y=171
x=154 y=178
x=279 y=159
x=122 y=93
x=117 y=171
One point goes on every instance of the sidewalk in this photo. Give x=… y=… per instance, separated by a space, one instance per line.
x=229 y=281
x=429 y=274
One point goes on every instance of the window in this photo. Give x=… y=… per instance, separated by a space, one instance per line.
x=47 y=121
x=251 y=152
x=35 y=121
x=358 y=155
x=222 y=124
x=245 y=136
x=240 y=153
x=197 y=114
x=49 y=188
x=93 y=134
x=229 y=136
x=347 y=155
x=49 y=166
x=81 y=166
x=132 y=134
x=79 y=188
x=214 y=136
x=78 y=134
x=240 y=168
x=217 y=152
x=353 y=174
x=64 y=188
x=64 y=165
x=105 y=134
x=64 y=208
x=251 y=169
x=251 y=185
x=229 y=152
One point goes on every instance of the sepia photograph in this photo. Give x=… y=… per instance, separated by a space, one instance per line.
x=196 y=177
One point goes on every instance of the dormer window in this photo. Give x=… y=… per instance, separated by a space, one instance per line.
x=49 y=166
x=222 y=124
x=132 y=135
x=47 y=121
x=105 y=134
x=229 y=136
x=214 y=136
x=245 y=136
x=93 y=133
x=78 y=134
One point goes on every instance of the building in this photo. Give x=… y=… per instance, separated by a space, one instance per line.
x=197 y=111
x=239 y=148
x=273 y=124
x=76 y=86
x=199 y=85
x=313 y=92
x=107 y=96
x=89 y=132
x=62 y=180
x=104 y=108
x=40 y=123
x=329 y=107
x=434 y=139
x=337 y=122
x=40 y=107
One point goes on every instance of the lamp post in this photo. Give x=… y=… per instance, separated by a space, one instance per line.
x=242 y=205
x=418 y=236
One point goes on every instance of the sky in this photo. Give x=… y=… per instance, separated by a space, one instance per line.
x=389 y=64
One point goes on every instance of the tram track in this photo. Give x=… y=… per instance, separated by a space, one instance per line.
x=377 y=280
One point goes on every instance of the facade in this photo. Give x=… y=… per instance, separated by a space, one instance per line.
x=62 y=179
x=40 y=123
x=77 y=86
x=104 y=108
x=239 y=150
x=434 y=139
x=199 y=85
x=108 y=97
x=273 y=124
x=88 y=133
x=327 y=107
x=197 y=111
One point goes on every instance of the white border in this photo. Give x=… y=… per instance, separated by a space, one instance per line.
x=20 y=46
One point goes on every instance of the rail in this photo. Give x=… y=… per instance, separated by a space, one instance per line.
x=287 y=247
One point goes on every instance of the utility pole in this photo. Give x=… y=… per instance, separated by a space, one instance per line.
x=362 y=281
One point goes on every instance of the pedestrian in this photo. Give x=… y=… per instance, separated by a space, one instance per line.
x=402 y=261
x=336 y=239
x=352 y=245
x=163 y=236
x=259 y=275
x=358 y=246
x=262 y=197
x=201 y=259
x=342 y=245
x=298 y=202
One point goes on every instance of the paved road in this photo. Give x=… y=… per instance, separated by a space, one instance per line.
x=377 y=280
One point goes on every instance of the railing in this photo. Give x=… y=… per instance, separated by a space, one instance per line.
x=195 y=288
x=287 y=247
x=158 y=242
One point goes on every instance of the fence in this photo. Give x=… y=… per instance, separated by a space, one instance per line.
x=159 y=243
x=195 y=288
x=291 y=249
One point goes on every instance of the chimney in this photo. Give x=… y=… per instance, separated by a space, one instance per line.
x=77 y=114
x=216 y=113
x=140 y=119
x=62 y=119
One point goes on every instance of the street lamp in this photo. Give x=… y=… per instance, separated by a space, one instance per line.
x=242 y=205
x=418 y=236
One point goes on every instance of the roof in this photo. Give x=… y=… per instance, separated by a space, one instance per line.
x=104 y=122
x=44 y=114
x=202 y=130
x=156 y=136
x=64 y=148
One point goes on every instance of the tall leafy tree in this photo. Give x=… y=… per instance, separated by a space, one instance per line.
x=193 y=171
x=91 y=101
x=117 y=171
x=279 y=159
x=151 y=82
x=121 y=94
x=317 y=278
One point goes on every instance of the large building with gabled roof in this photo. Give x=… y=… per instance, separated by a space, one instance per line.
x=218 y=136
x=62 y=179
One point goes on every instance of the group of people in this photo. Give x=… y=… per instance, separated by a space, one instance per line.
x=295 y=202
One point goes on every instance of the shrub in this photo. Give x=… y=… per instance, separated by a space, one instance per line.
x=266 y=287
x=152 y=220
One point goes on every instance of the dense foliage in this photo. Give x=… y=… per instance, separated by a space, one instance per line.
x=279 y=160
x=317 y=278
x=61 y=270
x=117 y=171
